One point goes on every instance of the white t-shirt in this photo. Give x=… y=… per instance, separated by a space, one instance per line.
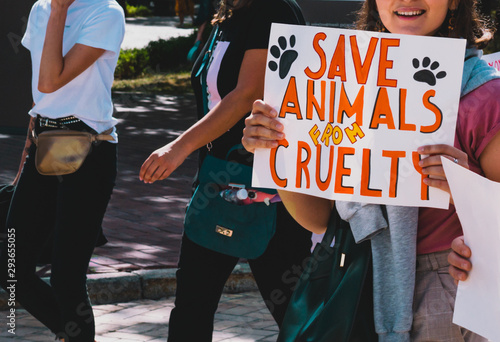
x=95 y=23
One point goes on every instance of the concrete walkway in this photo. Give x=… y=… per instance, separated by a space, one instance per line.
x=240 y=318
x=140 y=31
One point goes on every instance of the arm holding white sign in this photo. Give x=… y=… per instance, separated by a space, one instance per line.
x=263 y=130
x=459 y=261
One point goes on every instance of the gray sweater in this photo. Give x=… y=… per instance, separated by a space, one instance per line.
x=394 y=256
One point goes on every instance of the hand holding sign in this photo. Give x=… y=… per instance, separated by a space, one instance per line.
x=262 y=129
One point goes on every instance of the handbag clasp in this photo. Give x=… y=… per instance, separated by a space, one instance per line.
x=224 y=231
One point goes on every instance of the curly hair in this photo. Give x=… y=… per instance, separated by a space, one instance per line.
x=227 y=8
x=469 y=23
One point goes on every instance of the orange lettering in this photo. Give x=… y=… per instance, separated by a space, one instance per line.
x=346 y=108
x=403 y=126
x=343 y=171
x=337 y=65
x=362 y=69
x=290 y=104
x=302 y=165
x=393 y=183
x=332 y=99
x=382 y=113
x=322 y=57
x=424 y=189
x=384 y=63
x=312 y=102
x=365 y=176
x=433 y=108
x=272 y=164
x=323 y=185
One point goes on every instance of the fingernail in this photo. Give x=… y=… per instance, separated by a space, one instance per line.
x=421 y=163
x=274 y=112
x=426 y=180
x=279 y=126
x=281 y=135
x=420 y=149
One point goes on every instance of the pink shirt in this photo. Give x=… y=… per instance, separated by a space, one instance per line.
x=478 y=122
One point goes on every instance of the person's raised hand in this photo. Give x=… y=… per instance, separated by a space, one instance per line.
x=262 y=129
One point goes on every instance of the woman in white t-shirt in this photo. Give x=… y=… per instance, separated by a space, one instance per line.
x=74 y=47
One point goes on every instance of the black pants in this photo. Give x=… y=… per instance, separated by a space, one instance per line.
x=77 y=202
x=202 y=274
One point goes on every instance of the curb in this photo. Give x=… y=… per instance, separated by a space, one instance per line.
x=120 y=287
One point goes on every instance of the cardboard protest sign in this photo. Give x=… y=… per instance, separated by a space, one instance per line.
x=493 y=59
x=356 y=105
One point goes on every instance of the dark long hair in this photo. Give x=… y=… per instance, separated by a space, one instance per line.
x=227 y=8
x=468 y=23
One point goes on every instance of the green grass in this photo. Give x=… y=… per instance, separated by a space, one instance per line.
x=172 y=83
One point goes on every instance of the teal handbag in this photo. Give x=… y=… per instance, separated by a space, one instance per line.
x=333 y=299
x=242 y=231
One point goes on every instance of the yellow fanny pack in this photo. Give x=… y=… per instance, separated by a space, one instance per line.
x=62 y=152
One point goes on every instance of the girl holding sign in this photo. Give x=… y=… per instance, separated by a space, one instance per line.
x=423 y=308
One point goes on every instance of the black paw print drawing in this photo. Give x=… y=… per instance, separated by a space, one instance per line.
x=426 y=75
x=286 y=58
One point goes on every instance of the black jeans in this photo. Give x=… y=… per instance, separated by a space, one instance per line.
x=202 y=274
x=65 y=212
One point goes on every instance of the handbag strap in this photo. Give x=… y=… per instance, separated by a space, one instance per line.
x=332 y=227
x=204 y=67
x=234 y=148
x=104 y=136
x=202 y=71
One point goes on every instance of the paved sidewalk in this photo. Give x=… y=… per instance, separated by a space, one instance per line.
x=240 y=318
x=139 y=31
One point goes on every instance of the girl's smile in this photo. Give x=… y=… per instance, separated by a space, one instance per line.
x=414 y=17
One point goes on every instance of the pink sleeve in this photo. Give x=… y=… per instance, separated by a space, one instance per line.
x=478 y=121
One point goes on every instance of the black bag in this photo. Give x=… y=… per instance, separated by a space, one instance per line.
x=333 y=300
x=6 y=193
